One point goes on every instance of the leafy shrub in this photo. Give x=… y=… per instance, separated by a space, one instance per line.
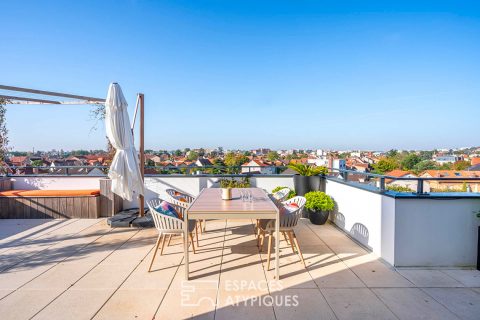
x=291 y=194
x=319 y=201
x=232 y=183
x=399 y=188
x=306 y=170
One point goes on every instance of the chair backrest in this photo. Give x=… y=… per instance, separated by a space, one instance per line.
x=181 y=199
x=282 y=194
x=290 y=220
x=163 y=222
x=299 y=200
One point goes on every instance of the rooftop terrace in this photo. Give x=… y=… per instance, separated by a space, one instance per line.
x=86 y=270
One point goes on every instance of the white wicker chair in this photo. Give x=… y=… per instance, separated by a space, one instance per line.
x=287 y=224
x=168 y=226
x=281 y=195
x=175 y=195
x=277 y=197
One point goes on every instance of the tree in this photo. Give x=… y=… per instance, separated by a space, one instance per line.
x=425 y=165
x=426 y=155
x=3 y=130
x=391 y=153
x=37 y=163
x=385 y=165
x=273 y=155
x=230 y=159
x=233 y=160
x=192 y=155
x=461 y=165
x=446 y=166
x=177 y=153
x=410 y=161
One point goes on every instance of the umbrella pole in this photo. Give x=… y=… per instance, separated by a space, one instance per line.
x=142 y=150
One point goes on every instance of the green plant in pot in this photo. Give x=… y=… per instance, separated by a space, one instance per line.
x=309 y=178
x=318 y=206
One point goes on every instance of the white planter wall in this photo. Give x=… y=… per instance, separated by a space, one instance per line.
x=436 y=233
x=415 y=232
x=366 y=216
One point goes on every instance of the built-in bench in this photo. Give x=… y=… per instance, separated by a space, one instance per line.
x=45 y=204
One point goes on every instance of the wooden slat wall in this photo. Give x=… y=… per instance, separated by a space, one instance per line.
x=5 y=184
x=87 y=207
x=110 y=203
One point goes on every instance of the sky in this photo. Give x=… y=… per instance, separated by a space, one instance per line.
x=246 y=74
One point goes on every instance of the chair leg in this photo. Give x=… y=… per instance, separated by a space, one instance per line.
x=258 y=237
x=196 y=237
x=159 y=239
x=285 y=236
x=270 y=240
x=204 y=226
x=163 y=243
x=298 y=248
x=290 y=236
x=262 y=238
x=169 y=239
x=193 y=244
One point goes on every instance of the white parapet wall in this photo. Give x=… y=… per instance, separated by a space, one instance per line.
x=366 y=216
x=436 y=232
x=409 y=232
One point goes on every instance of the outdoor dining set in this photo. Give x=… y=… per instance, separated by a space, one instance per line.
x=181 y=214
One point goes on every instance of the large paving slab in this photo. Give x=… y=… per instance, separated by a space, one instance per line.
x=86 y=270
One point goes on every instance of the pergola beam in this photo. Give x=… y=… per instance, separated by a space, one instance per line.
x=53 y=94
x=12 y=99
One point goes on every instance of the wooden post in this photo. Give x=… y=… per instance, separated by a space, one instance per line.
x=141 y=199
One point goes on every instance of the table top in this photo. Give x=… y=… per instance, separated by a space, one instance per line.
x=210 y=200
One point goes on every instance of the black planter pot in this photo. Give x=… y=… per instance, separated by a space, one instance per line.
x=305 y=184
x=318 y=217
x=301 y=184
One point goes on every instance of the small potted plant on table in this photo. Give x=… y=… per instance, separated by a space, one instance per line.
x=318 y=206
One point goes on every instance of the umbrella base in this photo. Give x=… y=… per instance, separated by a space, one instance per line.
x=129 y=218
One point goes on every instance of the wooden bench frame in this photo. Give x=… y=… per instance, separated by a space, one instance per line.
x=86 y=207
x=38 y=207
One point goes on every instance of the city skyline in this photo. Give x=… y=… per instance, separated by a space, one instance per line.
x=245 y=75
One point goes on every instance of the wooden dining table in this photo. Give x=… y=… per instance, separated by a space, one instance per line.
x=209 y=205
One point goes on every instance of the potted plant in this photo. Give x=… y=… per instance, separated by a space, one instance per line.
x=318 y=206
x=228 y=184
x=309 y=178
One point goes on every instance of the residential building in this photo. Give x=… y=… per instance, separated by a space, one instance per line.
x=257 y=166
x=410 y=184
x=448 y=185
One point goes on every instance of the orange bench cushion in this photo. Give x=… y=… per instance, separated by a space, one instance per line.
x=49 y=193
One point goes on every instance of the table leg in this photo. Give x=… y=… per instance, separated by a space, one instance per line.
x=277 y=247
x=185 y=243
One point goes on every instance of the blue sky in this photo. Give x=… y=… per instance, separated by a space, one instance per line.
x=246 y=74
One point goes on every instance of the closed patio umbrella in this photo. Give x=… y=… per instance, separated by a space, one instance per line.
x=125 y=171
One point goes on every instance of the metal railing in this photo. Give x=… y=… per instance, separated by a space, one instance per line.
x=380 y=181
x=374 y=181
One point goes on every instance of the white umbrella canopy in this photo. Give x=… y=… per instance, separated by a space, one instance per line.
x=125 y=172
